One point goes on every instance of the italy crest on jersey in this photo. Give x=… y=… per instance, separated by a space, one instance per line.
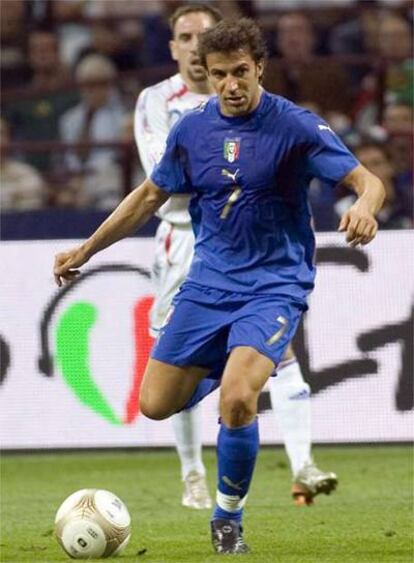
x=231 y=149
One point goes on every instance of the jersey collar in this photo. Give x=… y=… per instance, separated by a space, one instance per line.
x=257 y=112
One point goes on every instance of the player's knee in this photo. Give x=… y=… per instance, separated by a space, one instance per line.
x=154 y=409
x=237 y=408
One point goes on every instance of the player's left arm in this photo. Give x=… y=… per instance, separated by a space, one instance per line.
x=331 y=161
x=359 y=221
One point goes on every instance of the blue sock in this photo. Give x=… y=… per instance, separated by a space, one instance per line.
x=236 y=456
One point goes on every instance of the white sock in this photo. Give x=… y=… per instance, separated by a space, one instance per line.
x=290 y=396
x=187 y=431
x=230 y=503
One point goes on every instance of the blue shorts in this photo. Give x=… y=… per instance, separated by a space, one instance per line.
x=205 y=324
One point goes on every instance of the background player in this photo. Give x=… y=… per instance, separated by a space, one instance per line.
x=158 y=108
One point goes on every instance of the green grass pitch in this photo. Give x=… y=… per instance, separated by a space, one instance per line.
x=368 y=519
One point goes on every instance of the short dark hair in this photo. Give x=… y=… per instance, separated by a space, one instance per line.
x=215 y=14
x=228 y=36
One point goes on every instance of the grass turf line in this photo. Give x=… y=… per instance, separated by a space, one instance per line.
x=369 y=518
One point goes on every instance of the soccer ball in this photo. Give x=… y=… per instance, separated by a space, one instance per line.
x=92 y=523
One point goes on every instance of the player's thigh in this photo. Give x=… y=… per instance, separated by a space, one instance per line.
x=267 y=324
x=245 y=374
x=246 y=370
x=194 y=332
x=166 y=388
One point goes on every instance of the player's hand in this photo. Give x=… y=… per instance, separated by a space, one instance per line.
x=67 y=263
x=359 y=224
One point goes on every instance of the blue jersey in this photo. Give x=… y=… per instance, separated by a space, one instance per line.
x=249 y=177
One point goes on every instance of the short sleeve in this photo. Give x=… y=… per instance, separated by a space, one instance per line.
x=327 y=157
x=170 y=174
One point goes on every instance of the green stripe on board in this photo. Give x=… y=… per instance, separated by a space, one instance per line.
x=72 y=346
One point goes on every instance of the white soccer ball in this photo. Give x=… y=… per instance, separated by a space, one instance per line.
x=93 y=523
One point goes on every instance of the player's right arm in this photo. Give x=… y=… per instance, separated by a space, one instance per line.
x=130 y=215
x=169 y=177
x=151 y=127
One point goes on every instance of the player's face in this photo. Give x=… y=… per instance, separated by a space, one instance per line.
x=236 y=79
x=398 y=118
x=96 y=94
x=184 y=45
x=43 y=51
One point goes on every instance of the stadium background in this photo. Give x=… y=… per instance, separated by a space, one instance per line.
x=71 y=361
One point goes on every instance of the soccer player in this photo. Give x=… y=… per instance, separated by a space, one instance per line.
x=247 y=158
x=158 y=108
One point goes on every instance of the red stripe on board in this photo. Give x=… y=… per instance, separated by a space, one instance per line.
x=143 y=345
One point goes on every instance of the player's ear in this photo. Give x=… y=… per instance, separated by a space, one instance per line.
x=173 y=49
x=260 y=70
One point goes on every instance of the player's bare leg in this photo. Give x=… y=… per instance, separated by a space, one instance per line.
x=290 y=396
x=164 y=391
x=166 y=388
x=244 y=376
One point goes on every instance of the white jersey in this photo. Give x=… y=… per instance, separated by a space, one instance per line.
x=158 y=108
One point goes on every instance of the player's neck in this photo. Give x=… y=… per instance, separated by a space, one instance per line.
x=201 y=87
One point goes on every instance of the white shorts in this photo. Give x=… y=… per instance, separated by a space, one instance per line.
x=173 y=256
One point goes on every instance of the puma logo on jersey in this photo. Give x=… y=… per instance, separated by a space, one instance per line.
x=323 y=127
x=228 y=174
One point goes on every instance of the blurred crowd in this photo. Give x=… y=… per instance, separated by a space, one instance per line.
x=71 y=71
